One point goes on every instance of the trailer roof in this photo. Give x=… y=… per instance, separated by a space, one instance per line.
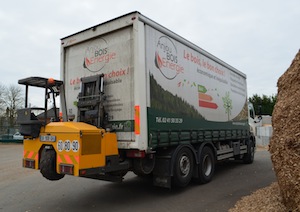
x=169 y=33
x=95 y=26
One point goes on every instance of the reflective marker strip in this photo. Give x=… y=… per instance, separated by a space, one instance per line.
x=59 y=159
x=30 y=155
x=137 y=119
x=77 y=159
x=68 y=159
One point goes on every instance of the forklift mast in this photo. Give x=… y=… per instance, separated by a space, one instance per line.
x=90 y=101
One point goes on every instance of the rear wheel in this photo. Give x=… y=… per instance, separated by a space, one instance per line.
x=48 y=165
x=206 y=167
x=183 y=167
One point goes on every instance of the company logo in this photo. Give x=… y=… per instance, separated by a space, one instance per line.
x=166 y=59
x=124 y=126
x=97 y=55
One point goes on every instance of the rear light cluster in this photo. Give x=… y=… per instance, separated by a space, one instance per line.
x=66 y=169
x=135 y=154
x=29 y=163
x=82 y=172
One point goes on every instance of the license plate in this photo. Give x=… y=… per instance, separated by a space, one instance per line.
x=49 y=138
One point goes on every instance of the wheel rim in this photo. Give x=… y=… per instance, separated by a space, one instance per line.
x=207 y=165
x=184 y=165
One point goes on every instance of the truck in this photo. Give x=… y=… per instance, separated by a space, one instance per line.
x=135 y=96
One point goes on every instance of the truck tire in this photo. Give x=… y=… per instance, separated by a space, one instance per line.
x=48 y=165
x=183 y=167
x=249 y=156
x=206 y=167
x=143 y=166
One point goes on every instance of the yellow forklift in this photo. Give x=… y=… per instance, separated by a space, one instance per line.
x=62 y=146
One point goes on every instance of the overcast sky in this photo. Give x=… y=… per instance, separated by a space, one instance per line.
x=258 y=37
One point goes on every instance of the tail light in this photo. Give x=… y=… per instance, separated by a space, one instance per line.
x=66 y=169
x=135 y=154
x=28 y=163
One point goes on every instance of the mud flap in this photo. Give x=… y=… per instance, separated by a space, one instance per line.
x=162 y=175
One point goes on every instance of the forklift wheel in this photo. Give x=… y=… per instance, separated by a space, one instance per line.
x=48 y=165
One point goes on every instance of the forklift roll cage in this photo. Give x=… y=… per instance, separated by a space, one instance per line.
x=29 y=124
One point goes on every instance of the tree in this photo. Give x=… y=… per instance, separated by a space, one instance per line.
x=2 y=99
x=11 y=100
x=264 y=104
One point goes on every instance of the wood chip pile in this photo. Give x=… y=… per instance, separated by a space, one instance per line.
x=285 y=142
x=284 y=148
x=265 y=199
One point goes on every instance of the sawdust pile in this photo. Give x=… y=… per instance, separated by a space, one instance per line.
x=285 y=142
x=266 y=199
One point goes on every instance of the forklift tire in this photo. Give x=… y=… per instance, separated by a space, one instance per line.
x=48 y=165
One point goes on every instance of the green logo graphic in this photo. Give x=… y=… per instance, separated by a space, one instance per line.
x=227 y=103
